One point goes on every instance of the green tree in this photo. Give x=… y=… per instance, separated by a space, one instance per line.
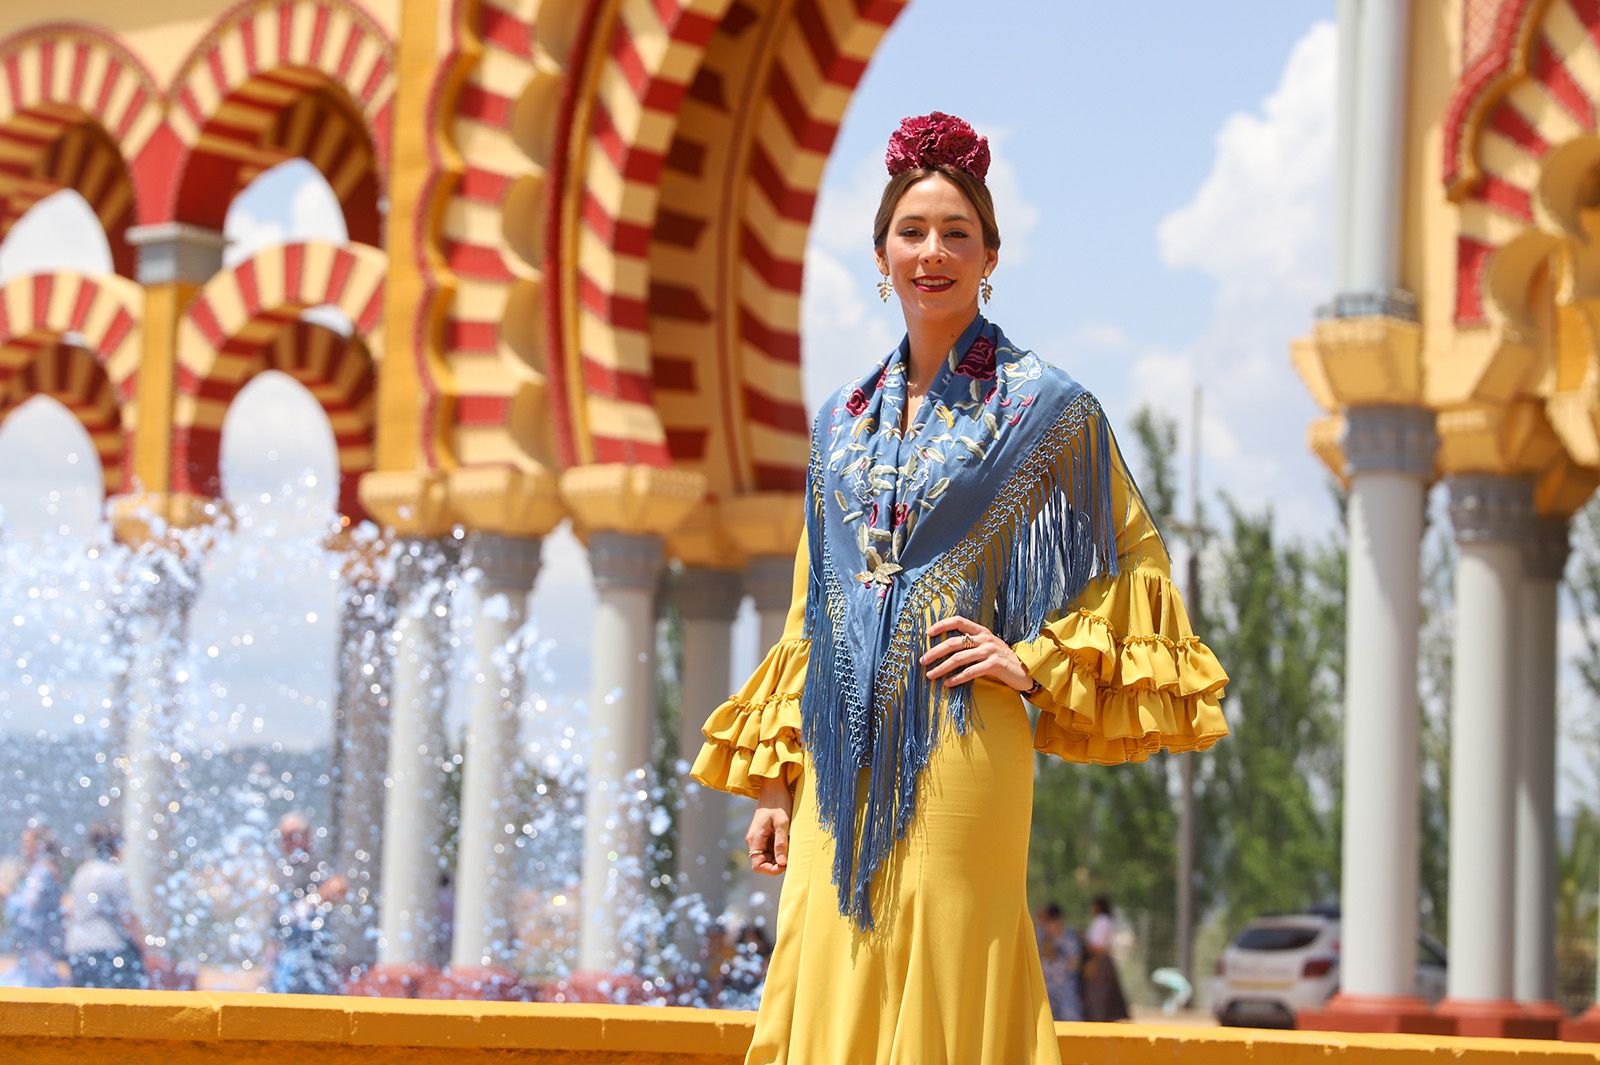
x=1436 y=656
x=1269 y=811
x=1112 y=830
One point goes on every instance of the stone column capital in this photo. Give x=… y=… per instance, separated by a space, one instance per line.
x=1544 y=556
x=507 y=564
x=769 y=580
x=1393 y=439
x=177 y=252
x=624 y=560
x=705 y=594
x=1490 y=507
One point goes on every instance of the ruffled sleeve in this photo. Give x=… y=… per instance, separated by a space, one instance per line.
x=755 y=735
x=1123 y=673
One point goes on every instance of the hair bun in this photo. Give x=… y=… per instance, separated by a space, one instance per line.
x=937 y=139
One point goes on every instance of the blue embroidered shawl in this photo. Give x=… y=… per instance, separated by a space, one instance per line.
x=996 y=505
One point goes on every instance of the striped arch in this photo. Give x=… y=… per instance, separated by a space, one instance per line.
x=76 y=339
x=645 y=63
x=275 y=80
x=73 y=377
x=1533 y=88
x=234 y=328
x=74 y=106
x=738 y=192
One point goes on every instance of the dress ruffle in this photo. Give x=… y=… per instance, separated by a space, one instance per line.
x=1124 y=675
x=755 y=735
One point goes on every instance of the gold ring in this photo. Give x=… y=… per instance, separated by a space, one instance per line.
x=967 y=642
x=758 y=854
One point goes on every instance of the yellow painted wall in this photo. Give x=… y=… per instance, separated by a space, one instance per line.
x=125 y=1028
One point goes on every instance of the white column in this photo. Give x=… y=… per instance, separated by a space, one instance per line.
x=1390 y=454
x=1348 y=16
x=622 y=710
x=505 y=569
x=413 y=818
x=1544 y=560
x=1491 y=515
x=361 y=753
x=1376 y=164
x=156 y=628
x=707 y=601
x=769 y=581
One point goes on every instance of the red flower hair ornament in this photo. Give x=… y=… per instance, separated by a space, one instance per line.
x=937 y=139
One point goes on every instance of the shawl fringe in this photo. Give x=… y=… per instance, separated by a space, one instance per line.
x=1048 y=532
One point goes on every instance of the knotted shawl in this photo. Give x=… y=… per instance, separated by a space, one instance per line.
x=996 y=505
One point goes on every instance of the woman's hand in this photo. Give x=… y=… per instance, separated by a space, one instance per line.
x=768 y=837
x=970 y=652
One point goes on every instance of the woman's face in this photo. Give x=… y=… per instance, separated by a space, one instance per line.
x=934 y=253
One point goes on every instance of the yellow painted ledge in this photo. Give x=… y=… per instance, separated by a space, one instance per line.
x=176 y=1028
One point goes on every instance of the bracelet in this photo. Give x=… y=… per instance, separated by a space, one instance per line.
x=1035 y=689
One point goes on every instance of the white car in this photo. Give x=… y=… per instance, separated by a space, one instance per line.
x=1282 y=964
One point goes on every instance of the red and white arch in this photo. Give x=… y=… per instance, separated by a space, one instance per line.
x=249 y=319
x=1532 y=89
x=276 y=80
x=76 y=339
x=75 y=106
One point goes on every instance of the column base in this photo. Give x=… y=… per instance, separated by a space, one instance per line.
x=1585 y=1028
x=1383 y=1014
x=1496 y=1019
x=482 y=983
x=595 y=987
x=393 y=979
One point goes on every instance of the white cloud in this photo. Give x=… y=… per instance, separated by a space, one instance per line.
x=314 y=211
x=291 y=202
x=1259 y=226
x=247 y=234
x=60 y=232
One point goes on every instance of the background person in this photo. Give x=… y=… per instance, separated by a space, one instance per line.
x=1102 y=987
x=104 y=941
x=1061 y=956
x=302 y=955
x=33 y=913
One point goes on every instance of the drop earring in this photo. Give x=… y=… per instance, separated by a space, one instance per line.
x=986 y=290
x=885 y=288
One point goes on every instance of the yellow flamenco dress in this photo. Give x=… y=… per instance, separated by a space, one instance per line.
x=950 y=975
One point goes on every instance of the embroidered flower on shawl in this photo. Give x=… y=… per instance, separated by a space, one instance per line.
x=856 y=404
x=901 y=512
x=978 y=362
x=937 y=139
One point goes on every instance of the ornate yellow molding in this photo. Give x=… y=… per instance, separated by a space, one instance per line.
x=1349 y=362
x=407 y=502
x=766 y=523
x=504 y=500
x=649 y=500
x=704 y=539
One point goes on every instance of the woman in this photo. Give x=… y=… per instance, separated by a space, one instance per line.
x=103 y=934
x=33 y=912
x=1102 y=987
x=1061 y=957
x=972 y=539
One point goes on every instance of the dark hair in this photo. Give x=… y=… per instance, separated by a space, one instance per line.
x=1103 y=904
x=105 y=839
x=970 y=187
x=1053 y=911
